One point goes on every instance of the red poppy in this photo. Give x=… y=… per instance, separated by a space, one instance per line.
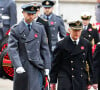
x=82 y=47
x=35 y=35
x=90 y=29
x=52 y=23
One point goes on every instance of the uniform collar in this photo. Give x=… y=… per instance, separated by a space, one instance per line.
x=77 y=41
x=27 y=23
x=48 y=16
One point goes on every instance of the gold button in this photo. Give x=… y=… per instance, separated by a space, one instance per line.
x=73 y=76
x=72 y=69
x=72 y=61
x=89 y=35
x=84 y=54
x=81 y=75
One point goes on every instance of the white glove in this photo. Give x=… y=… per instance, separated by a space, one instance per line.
x=47 y=72
x=20 y=70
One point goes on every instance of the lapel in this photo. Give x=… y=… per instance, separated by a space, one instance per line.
x=52 y=21
x=79 y=48
x=68 y=44
x=33 y=34
x=23 y=30
x=89 y=29
x=71 y=48
x=22 y=27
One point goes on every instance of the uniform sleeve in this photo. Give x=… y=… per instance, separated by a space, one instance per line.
x=55 y=65
x=96 y=62
x=13 y=49
x=90 y=63
x=13 y=13
x=45 y=50
x=96 y=36
x=62 y=31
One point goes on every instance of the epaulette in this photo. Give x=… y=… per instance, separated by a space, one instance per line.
x=86 y=40
x=44 y=19
x=39 y=23
x=94 y=26
x=59 y=16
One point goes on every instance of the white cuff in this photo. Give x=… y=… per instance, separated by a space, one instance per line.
x=47 y=72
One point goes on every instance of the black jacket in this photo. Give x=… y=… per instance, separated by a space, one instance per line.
x=96 y=63
x=47 y=30
x=90 y=34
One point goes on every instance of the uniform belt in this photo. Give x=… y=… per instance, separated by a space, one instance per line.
x=5 y=17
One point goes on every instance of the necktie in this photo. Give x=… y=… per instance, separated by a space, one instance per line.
x=47 y=17
x=29 y=27
x=74 y=42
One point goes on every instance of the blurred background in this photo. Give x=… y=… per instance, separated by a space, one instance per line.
x=68 y=9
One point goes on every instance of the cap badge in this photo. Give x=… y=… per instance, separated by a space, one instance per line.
x=32 y=8
x=47 y=3
x=77 y=23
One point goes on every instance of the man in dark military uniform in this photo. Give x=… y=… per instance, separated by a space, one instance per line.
x=69 y=64
x=29 y=52
x=97 y=64
x=97 y=11
x=56 y=23
x=8 y=16
x=89 y=31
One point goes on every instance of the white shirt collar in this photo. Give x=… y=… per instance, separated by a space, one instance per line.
x=77 y=41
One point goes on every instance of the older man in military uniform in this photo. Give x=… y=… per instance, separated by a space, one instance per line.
x=89 y=31
x=8 y=16
x=69 y=65
x=56 y=23
x=29 y=52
